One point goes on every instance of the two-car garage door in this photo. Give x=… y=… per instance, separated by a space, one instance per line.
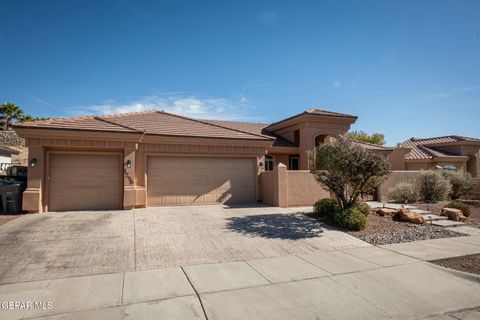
x=88 y=181
x=199 y=180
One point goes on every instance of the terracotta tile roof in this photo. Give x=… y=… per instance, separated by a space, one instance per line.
x=90 y=123
x=425 y=148
x=255 y=128
x=318 y=112
x=251 y=127
x=329 y=113
x=150 y=122
x=444 y=139
x=162 y=123
x=371 y=146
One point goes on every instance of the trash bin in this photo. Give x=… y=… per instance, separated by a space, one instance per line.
x=11 y=196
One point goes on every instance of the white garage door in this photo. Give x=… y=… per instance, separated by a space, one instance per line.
x=84 y=182
x=200 y=180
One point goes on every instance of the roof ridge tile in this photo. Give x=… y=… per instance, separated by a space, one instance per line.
x=117 y=124
x=214 y=125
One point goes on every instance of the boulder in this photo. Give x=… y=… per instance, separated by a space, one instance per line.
x=386 y=212
x=408 y=216
x=454 y=214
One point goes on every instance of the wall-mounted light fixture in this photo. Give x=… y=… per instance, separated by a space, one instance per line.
x=33 y=162
x=129 y=164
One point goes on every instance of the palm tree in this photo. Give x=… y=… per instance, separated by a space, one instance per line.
x=28 y=118
x=9 y=112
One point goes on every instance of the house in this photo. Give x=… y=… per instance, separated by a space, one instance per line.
x=6 y=157
x=156 y=158
x=449 y=153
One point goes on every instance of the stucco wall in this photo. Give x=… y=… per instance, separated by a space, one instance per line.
x=267 y=186
x=303 y=189
x=392 y=180
x=285 y=188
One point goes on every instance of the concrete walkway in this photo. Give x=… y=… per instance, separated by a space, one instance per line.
x=391 y=282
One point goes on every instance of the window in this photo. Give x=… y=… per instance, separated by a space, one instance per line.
x=294 y=162
x=269 y=163
x=296 y=137
x=449 y=168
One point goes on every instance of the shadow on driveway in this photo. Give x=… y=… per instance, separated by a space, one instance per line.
x=276 y=226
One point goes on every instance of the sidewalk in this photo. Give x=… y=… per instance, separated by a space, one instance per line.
x=390 y=281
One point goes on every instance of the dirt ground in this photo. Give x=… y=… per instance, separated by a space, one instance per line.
x=436 y=208
x=470 y=264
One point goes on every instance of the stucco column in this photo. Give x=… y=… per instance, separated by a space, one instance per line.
x=307 y=143
x=32 y=197
x=131 y=199
x=280 y=182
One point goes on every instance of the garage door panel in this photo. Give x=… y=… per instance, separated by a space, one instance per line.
x=200 y=180
x=84 y=182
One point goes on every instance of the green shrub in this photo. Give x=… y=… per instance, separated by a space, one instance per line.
x=432 y=186
x=404 y=192
x=460 y=206
x=325 y=207
x=363 y=207
x=461 y=183
x=351 y=219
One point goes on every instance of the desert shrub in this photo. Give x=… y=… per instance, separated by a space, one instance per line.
x=351 y=219
x=363 y=208
x=460 y=206
x=461 y=184
x=404 y=192
x=347 y=170
x=432 y=186
x=325 y=207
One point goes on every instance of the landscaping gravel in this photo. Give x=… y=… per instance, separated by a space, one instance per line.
x=384 y=230
x=412 y=233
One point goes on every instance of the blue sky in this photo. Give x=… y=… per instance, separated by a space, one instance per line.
x=406 y=68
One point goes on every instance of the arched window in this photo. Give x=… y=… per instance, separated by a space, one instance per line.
x=269 y=163
x=320 y=139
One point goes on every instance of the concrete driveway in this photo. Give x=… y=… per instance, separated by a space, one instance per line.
x=58 y=245
x=222 y=263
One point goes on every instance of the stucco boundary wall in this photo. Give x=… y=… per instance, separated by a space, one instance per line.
x=395 y=177
x=285 y=188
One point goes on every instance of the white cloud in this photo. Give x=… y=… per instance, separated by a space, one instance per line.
x=337 y=84
x=191 y=106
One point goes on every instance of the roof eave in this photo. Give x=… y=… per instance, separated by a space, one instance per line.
x=289 y=121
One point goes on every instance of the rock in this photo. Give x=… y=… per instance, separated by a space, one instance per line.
x=386 y=212
x=454 y=214
x=408 y=216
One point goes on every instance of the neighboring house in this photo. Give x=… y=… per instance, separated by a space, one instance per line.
x=449 y=153
x=156 y=158
x=6 y=157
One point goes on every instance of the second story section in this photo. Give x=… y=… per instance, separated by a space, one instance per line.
x=303 y=132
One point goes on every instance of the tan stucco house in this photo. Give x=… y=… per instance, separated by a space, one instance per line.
x=450 y=153
x=155 y=158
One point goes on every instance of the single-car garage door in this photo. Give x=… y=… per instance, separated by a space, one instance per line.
x=84 y=182
x=200 y=180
